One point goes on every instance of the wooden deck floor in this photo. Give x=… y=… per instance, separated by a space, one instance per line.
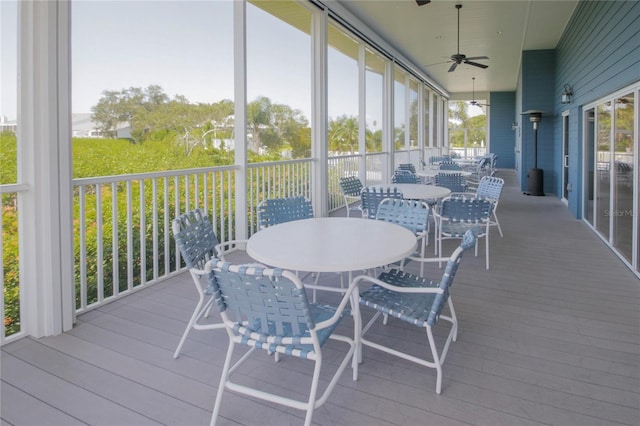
x=550 y=335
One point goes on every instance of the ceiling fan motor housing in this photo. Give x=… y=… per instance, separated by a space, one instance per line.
x=460 y=58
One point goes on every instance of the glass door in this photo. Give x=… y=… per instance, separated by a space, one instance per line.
x=589 y=163
x=603 y=169
x=622 y=176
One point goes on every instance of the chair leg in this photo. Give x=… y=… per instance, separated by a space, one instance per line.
x=223 y=379
x=197 y=313
x=497 y=223
x=454 y=319
x=436 y=360
x=486 y=237
x=312 y=393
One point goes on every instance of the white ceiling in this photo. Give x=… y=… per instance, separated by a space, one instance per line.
x=500 y=30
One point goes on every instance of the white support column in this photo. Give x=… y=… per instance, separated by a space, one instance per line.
x=319 y=114
x=407 y=115
x=432 y=121
x=44 y=164
x=362 y=111
x=421 y=135
x=444 y=121
x=240 y=123
x=388 y=132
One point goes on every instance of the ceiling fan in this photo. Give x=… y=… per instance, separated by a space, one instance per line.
x=459 y=58
x=473 y=101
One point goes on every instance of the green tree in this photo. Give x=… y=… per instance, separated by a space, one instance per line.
x=373 y=140
x=343 y=134
x=460 y=122
x=118 y=107
x=8 y=158
x=258 y=117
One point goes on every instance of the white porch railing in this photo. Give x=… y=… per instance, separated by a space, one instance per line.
x=122 y=224
x=10 y=308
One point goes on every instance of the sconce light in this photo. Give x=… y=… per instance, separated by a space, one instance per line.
x=514 y=125
x=567 y=94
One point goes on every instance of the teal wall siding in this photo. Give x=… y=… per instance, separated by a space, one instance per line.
x=501 y=118
x=538 y=93
x=598 y=54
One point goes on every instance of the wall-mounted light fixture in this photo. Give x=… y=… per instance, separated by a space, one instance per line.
x=514 y=125
x=567 y=94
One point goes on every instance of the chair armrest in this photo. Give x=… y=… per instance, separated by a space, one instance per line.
x=230 y=246
x=417 y=290
x=343 y=303
x=463 y=194
x=429 y=259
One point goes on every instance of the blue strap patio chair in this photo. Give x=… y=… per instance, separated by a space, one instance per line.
x=407 y=166
x=457 y=214
x=268 y=309
x=273 y=211
x=404 y=176
x=371 y=196
x=453 y=181
x=490 y=188
x=279 y=210
x=411 y=214
x=351 y=186
x=198 y=243
x=449 y=165
x=435 y=159
x=417 y=301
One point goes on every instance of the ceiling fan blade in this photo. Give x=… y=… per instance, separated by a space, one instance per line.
x=473 y=58
x=437 y=63
x=453 y=66
x=475 y=64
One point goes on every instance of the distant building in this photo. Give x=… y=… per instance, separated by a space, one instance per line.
x=81 y=127
x=8 y=125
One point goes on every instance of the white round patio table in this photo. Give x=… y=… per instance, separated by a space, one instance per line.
x=331 y=244
x=419 y=191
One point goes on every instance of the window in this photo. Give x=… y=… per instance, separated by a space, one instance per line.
x=413 y=112
x=164 y=83
x=279 y=79
x=343 y=90
x=399 y=110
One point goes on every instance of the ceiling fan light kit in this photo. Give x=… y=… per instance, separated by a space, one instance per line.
x=460 y=58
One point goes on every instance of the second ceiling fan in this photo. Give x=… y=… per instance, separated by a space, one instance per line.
x=460 y=58
x=473 y=101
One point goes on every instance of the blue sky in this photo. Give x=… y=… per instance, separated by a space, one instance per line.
x=184 y=47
